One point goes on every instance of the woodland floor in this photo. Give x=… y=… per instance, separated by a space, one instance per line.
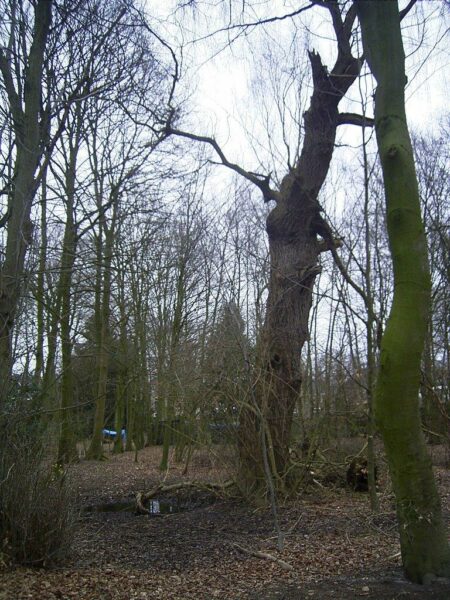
x=337 y=548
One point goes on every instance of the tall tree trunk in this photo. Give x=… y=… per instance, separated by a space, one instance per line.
x=370 y=341
x=123 y=375
x=424 y=545
x=170 y=386
x=67 y=451
x=102 y=319
x=28 y=137
x=293 y=227
x=40 y=288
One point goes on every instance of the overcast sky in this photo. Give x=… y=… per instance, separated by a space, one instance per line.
x=222 y=73
x=230 y=77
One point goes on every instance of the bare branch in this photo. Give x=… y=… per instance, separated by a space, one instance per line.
x=285 y=565
x=355 y=119
x=4 y=220
x=261 y=182
x=176 y=72
x=13 y=97
x=244 y=26
x=345 y=274
x=406 y=10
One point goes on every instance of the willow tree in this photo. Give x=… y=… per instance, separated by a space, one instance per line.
x=424 y=545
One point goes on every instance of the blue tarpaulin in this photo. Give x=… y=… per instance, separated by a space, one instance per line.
x=110 y=434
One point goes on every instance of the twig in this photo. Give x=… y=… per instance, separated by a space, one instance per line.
x=264 y=555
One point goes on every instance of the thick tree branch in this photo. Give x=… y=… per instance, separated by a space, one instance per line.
x=355 y=119
x=407 y=8
x=4 y=220
x=142 y=498
x=342 y=28
x=261 y=182
x=349 y=21
x=14 y=100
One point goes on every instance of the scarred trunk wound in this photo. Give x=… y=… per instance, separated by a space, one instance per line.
x=294 y=227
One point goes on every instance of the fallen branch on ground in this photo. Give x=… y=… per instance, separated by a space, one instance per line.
x=264 y=555
x=143 y=497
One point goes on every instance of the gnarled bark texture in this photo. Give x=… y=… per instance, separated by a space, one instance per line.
x=424 y=545
x=294 y=228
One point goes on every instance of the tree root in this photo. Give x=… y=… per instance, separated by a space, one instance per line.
x=143 y=497
x=264 y=555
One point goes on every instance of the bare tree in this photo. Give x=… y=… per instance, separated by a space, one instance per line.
x=22 y=67
x=297 y=233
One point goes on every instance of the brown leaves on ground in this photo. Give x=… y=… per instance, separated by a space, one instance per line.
x=336 y=547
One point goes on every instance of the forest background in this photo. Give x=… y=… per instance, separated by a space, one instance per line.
x=136 y=270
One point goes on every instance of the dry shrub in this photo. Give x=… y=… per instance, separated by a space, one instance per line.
x=37 y=513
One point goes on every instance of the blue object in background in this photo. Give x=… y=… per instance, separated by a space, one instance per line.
x=110 y=434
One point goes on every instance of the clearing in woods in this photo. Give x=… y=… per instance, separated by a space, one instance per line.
x=334 y=547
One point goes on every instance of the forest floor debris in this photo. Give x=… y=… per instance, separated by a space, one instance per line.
x=337 y=549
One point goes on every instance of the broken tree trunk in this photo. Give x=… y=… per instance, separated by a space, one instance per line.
x=297 y=234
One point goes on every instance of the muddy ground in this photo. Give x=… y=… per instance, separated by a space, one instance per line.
x=334 y=548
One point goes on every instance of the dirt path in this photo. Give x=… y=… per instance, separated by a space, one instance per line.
x=334 y=548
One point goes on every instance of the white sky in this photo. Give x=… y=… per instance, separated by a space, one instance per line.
x=219 y=77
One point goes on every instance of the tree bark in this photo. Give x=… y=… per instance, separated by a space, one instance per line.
x=103 y=335
x=294 y=227
x=67 y=449
x=424 y=545
x=29 y=135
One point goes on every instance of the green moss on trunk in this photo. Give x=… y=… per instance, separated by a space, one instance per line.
x=424 y=545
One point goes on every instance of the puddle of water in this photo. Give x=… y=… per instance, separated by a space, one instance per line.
x=111 y=507
x=164 y=507
x=155 y=507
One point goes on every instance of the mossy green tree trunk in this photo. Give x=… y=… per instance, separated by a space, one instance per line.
x=424 y=545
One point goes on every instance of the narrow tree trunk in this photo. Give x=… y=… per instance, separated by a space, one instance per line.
x=119 y=414
x=424 y=545
x=40 y=288
x=123 y=375
x=28 y=137
x=170 y=384
x=67 y=444
x=67 y=450
x=95 y=450
x=371 y=346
